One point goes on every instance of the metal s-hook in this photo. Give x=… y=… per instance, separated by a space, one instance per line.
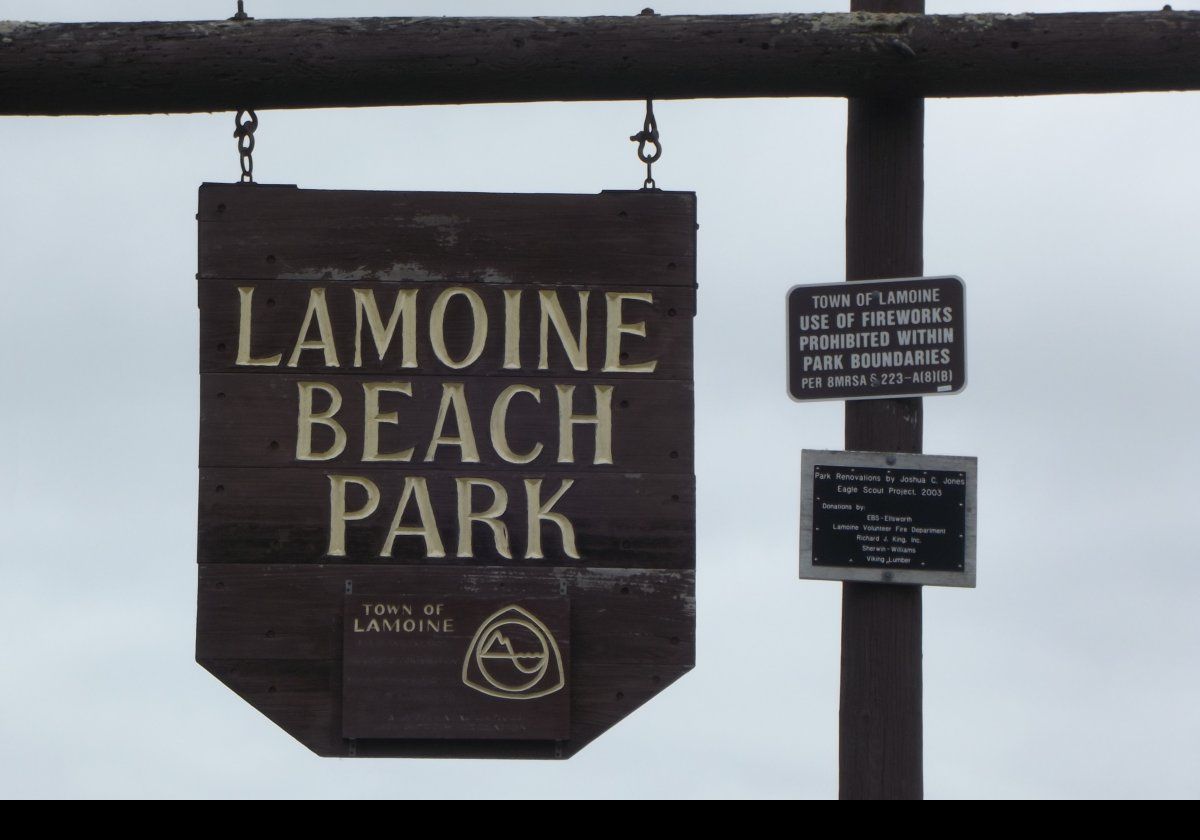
x=648 y=136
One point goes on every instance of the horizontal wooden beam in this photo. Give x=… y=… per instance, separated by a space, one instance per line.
x=127 y=68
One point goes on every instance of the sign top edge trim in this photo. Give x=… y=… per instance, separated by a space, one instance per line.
x=215 y=186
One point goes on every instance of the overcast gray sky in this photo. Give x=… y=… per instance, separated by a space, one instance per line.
x=1071 y=671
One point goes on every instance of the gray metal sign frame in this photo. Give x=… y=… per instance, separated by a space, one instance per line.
x=811 y=458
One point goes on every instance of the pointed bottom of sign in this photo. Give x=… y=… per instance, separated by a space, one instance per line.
x=273 y=635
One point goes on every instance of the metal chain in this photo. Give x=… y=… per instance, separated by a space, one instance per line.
x=245 y=122
x=648 y=136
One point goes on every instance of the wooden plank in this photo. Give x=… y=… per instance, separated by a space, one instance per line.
x=178 y=67
x=618 y=240
x=273 y=634
x=278 y=308
x=295 y=611
x=283 y=516
x=252 y=421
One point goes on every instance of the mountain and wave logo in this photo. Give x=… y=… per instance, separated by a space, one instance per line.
x=513 y=656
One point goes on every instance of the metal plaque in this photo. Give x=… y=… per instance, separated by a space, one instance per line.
x=450 y=666
x=888 y=518
x=876 y=339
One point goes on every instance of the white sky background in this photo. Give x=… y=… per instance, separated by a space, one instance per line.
x=1071 y=671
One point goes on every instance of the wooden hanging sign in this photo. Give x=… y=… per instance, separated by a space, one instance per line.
x=447 y=493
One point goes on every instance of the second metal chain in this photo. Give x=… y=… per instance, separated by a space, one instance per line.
x=245 y=123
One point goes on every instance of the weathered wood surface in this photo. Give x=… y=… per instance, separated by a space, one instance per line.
x=251 y=421
x=274 y=635
x=118 y=68
x=880 y=716
x=282 y=516
x=278 y=308
x=618 y=240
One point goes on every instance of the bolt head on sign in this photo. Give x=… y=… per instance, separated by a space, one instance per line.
x=876 y=339
x=447 y=494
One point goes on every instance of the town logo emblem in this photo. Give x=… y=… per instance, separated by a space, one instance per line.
x=513 y=656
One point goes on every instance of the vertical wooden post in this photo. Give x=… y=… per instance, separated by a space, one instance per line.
x=880 y=739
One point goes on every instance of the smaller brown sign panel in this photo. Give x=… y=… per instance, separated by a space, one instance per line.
x=456 y=667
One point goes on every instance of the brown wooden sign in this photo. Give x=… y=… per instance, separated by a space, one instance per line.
x=447 y=493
